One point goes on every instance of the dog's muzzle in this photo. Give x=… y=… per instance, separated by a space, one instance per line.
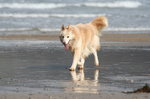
x=66 y=45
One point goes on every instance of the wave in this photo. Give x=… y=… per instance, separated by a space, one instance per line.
x=51 y=30
x=28 y=29
x=116 y=4
x=32 y=5
x=49 y=15
x=128 y=29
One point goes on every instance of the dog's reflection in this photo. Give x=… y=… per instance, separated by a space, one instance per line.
x=84 y=85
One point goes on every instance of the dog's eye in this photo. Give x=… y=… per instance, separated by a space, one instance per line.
x=67 y=36
x=62 y=36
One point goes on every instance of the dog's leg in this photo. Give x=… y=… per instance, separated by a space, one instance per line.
x=95 y=57
x=76 y=58
x=81 y=63
x=74 y=75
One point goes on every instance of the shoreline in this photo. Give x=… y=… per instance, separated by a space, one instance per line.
x=116 y=37
x=108 y=39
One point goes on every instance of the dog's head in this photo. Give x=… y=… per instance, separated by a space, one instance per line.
x=66 y=36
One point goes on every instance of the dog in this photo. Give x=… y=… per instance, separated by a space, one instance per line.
x=83 y=40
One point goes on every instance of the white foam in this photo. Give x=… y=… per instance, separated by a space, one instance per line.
x=30 y=43
x=57 y=29
x=14 y=29
x=120 y=4
x=117 y=4
x=38 y=15
x=128 y=29
x=27 y=29
x=31 y=5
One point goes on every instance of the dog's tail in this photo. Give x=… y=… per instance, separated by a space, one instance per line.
x=100 y=22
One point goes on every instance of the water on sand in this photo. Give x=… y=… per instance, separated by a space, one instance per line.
x=34 y=66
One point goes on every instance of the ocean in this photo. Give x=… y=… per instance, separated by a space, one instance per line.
x=46 y=16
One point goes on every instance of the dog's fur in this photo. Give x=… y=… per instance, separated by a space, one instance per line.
x=83 y=40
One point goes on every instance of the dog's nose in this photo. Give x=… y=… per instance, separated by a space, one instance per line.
x=64 y=43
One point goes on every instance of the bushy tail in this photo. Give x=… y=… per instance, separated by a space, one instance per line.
x=100 y=22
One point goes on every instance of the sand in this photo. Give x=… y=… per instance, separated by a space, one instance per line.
x=37 y=70
x=73 y=96
x=109 y=37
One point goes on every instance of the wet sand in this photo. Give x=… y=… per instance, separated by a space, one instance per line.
x=37 y=69
x=73 y=96
x=116 y=37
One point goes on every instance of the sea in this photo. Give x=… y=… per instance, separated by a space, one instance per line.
x=46 y=16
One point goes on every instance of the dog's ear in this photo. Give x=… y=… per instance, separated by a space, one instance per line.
x=69 y=27
x=62 y=27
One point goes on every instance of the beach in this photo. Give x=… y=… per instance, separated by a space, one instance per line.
x=34 y=63
x=34 y=67
x=74 y=96
x=106 y=37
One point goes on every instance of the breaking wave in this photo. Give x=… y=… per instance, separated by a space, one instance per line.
x=56 y=29
x=128 y=29
x=49 y=15
x=116 y=4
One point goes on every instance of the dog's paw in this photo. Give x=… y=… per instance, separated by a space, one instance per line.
x=72 y=69
x=80 y=67
x=97 y=64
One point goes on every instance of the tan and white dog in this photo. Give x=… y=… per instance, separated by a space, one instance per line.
x=83 y=40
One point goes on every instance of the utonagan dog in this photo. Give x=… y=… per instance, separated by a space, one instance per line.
x=83 y=40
